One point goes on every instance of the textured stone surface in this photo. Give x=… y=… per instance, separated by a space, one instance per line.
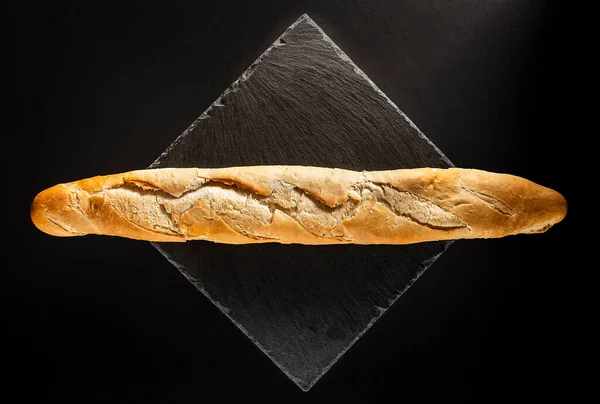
x=302 y=102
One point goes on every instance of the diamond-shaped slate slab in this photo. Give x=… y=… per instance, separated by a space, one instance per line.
x=303 y=102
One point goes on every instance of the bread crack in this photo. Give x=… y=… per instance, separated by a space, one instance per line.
x=75 y=201
x=415 y=208
x=309 y=212
x=147 y=186
x=491 y=201
x=65 y=227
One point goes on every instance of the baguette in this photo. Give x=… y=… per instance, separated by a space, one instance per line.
x=297 y=204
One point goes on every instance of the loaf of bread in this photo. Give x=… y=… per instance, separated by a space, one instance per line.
x=297 y=204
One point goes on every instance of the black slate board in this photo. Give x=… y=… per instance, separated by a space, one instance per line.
x=303 y=102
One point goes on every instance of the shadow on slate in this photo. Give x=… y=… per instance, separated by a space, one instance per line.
x=303 y=102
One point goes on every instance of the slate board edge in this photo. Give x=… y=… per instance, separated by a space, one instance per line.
x=226 y=311
x=232 y=88
x=358 y=71
x=424 y=266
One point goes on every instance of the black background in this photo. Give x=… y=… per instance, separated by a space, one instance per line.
x=103 y=87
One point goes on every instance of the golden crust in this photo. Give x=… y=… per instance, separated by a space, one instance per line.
x=296 y=204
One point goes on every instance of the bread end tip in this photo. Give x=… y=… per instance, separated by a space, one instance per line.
x=42 y=208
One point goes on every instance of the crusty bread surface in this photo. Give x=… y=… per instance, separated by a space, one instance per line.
x=297 y=204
